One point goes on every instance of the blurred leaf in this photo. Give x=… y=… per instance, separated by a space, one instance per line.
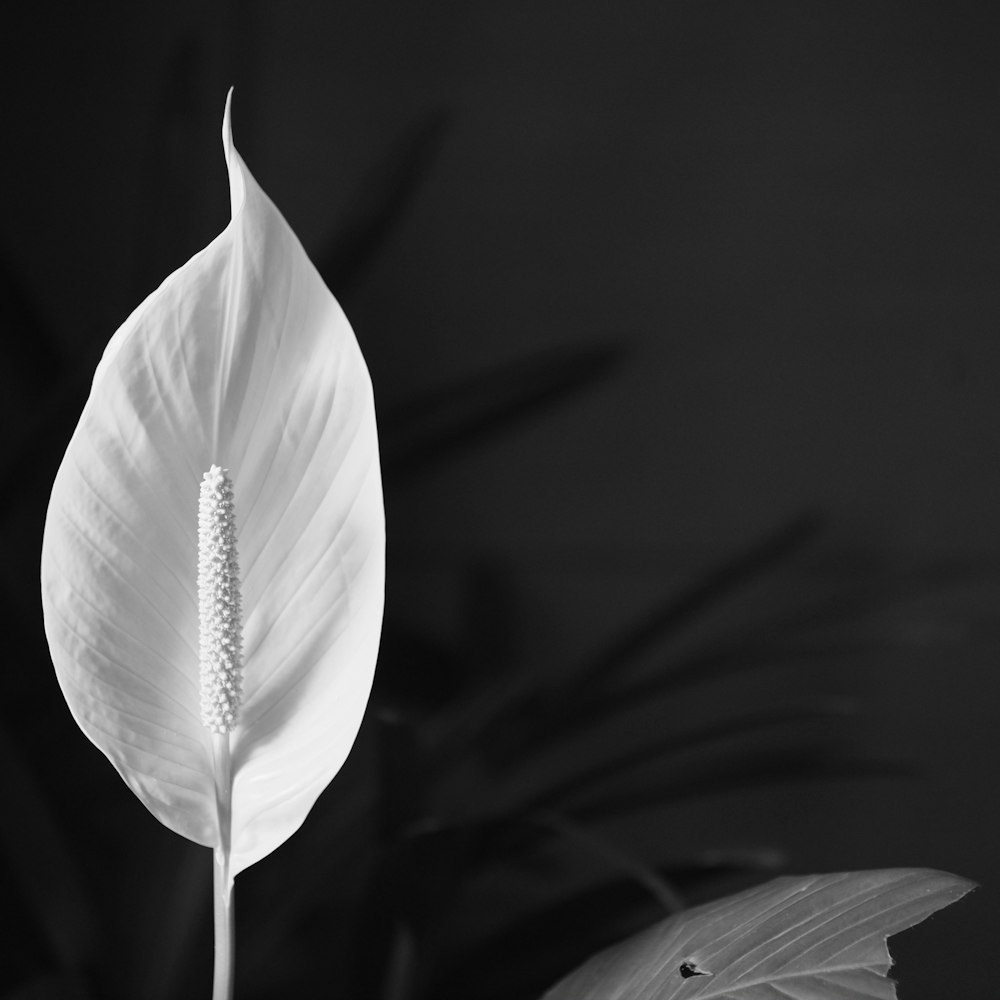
x=378 y=208
x=784 y=640
x=700 y=667
x=572 y=925
x=420 y=875
x=704 y=595
x=435 y=425
x=732 y=773
x=612 y=857
x=724 y=861
x=526 y=954
x=523 y=722
x=414 y=886
x=697 y=668
x=707 y=873
x=616 y=767
x=399 y=981
x=821 y=937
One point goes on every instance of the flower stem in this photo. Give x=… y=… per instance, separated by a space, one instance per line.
x=222 y=984
x=222 y=881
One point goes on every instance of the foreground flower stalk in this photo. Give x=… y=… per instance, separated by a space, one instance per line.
x=220 y=652
x=222 y=880
x=232 y=410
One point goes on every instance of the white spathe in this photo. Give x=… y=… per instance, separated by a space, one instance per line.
x=243 y=359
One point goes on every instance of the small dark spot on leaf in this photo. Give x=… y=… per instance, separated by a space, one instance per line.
x=690 y=968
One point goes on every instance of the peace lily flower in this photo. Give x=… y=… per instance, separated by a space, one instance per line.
x=213 y=556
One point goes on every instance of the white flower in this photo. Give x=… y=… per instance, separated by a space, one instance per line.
x=241 y=360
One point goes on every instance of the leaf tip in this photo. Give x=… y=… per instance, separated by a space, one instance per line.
x=949 y=885
x=237 y=185
x=227 y=124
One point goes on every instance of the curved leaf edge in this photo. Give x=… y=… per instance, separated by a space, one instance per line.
x=659 y=961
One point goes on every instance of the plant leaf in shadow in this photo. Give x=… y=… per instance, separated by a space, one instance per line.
x=413 y=887
x=697 y=668
x=379 y=206
x=573 y=926
x=581 y=922
x=703 y=596
x=749 y=770
x=419 y=879
x=659 y=888
x=414 y=891
x=667 y=749
x=437 y=424
x=525 y=717
x=450 y=771
x=691 y=875
x=825 y=630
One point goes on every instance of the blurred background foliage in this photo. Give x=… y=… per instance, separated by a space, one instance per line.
x=682 y=323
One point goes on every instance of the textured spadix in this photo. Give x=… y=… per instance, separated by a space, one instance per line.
x=241 y=359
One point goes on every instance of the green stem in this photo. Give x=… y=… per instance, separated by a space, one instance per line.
x=222 y=881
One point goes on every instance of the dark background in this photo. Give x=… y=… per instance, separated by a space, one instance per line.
x=683 y=322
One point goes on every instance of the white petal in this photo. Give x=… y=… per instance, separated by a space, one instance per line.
x=243 y=359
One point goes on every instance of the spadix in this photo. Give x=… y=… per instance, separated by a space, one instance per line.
x=220 y=618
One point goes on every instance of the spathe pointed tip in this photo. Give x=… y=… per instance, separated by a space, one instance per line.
x=237 y=185
x=227 y=124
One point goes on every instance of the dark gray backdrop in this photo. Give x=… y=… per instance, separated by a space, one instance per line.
x=779 y=221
